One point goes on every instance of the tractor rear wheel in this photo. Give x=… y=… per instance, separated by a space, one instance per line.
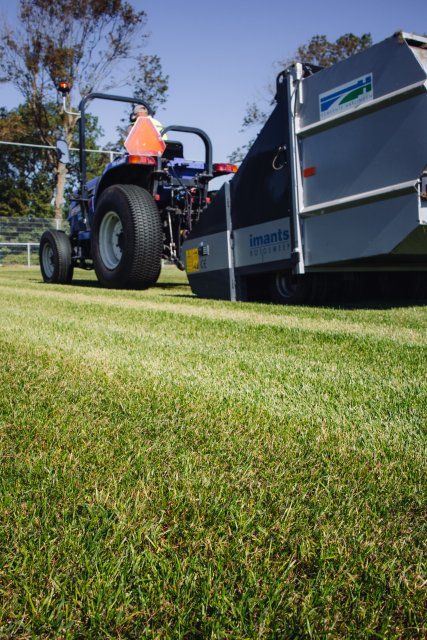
x=127 y=238
x=55 y=257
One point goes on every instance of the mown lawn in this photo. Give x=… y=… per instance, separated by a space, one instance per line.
x=181 y=468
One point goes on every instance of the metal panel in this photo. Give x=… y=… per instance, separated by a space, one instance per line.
x=361 y=196
x=392 y=64
x=369 y=230
x=383 y=148
x=263 y=243
x=212 y=250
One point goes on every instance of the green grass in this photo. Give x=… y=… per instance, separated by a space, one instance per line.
x=182 y=468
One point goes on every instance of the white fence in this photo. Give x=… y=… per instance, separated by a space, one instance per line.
x=28 y=246
x=20 y=237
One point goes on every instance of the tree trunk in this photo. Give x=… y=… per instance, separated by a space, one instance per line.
x=69 y=122
x=61 y=176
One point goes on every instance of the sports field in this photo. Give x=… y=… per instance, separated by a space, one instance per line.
x=173 y=467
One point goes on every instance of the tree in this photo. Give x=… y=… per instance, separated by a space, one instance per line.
x=26 y=184
x=27 y=174
x=318 y=51
x=321 y=52
x=85 y=42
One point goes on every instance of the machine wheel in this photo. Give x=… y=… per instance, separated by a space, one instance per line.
x=127 y=239
x=287 y=288
x=55 y=257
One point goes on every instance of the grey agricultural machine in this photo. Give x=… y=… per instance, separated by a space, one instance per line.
x=334 y=190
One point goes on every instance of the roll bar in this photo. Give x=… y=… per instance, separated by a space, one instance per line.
x=198 y=132
x=82 y=127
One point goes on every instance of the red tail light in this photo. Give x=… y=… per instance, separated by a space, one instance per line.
x=223 y=168
x=141 y=160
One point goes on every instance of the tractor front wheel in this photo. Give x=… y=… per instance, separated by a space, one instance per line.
x=55 y=257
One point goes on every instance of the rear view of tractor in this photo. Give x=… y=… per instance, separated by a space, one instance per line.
x=138 y=212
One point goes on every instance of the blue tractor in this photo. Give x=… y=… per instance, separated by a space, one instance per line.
x=136 y=214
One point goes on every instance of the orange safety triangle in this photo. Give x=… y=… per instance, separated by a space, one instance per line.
x=144 y=139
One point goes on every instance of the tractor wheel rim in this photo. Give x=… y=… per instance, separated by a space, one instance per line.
x=47 y=260
x=110 y=239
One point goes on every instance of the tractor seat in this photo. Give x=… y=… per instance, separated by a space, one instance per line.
x=173 y=150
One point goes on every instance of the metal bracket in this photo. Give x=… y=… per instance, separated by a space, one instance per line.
x=230 y=243
x=294 y=87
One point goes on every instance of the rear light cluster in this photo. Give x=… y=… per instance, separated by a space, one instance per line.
x=218 y=169
x=141 y=160
x=223 y=168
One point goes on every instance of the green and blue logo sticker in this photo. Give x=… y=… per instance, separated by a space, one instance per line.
x=347 y=96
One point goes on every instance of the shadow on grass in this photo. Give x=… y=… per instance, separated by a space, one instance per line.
x=95 y=284
x=379 y=303
x=355 y=300
x=171 y=285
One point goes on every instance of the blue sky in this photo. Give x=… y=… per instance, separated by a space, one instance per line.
x=220 y=55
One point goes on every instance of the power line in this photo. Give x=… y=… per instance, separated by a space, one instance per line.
x=44 y=146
